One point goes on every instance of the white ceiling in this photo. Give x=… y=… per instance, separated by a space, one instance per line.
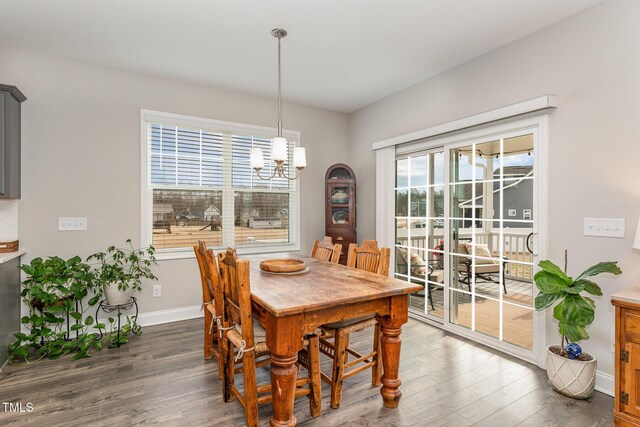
x=340 y=55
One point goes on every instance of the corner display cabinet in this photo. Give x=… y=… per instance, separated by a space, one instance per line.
x=340 y=213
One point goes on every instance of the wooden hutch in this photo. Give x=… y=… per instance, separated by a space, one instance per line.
x=340 y=210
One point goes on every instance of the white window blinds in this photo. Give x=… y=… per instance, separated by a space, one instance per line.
x=198 y=185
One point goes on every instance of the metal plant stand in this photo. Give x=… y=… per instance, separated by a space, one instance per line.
x=120 y=308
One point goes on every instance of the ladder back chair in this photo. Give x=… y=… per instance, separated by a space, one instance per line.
x=373 y=259
x=325 y=250
x=238 y=331
x=212 y=301
x=210 y=327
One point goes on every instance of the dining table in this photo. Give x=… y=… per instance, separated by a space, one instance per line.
x=289 y=306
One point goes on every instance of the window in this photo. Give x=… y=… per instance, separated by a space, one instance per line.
x=198 y=185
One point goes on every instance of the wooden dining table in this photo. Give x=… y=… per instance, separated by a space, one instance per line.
x=290 y=306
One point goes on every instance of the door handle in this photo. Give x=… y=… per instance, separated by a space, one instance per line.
x=339 y=239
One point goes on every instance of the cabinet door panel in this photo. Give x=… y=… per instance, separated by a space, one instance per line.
x=632 y=326
x=632 y=379
x=3 y=141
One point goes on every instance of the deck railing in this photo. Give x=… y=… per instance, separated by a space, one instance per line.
x=514 y=247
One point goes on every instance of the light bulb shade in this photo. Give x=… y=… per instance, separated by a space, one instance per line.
x=279 y=149
x=256 y=158
x=299 y=158
x=636 y=241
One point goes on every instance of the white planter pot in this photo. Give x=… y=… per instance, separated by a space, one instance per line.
x=573 y=378
x=115 y=296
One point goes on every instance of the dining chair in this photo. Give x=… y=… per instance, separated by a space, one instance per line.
x=214 y=306
x=210 y=328
x=375 y=260
x=325 y=250
x=239 y=333
x=212 y=301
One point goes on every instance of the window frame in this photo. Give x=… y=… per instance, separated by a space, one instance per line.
x=148 y=117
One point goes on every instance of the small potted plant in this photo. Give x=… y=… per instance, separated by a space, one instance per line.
x=120 y=271
x=571 y=372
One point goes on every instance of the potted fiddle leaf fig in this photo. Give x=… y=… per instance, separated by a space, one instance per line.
x=571 y=372
x=120 y=271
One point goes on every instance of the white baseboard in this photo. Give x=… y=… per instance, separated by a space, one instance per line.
x=171 y=315
x=605 y=383
x=162 y=316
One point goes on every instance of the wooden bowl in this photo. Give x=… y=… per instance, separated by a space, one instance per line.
x=286 y=265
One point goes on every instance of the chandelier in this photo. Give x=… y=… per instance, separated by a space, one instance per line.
x=279 y=144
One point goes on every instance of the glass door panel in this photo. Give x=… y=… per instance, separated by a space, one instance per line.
x=420 y=207
x=491 y=209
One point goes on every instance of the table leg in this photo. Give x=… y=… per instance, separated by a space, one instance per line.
x=283 y=388
x=284 y=339
x=391 y=328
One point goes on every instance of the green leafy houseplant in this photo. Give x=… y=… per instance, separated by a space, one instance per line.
x=124 y=268
x=574 y=311
x=54 y=292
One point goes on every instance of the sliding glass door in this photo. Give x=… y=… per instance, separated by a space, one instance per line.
x=465 y=220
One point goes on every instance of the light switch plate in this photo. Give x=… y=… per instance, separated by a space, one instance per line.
x=604 y=227
x=72 y=224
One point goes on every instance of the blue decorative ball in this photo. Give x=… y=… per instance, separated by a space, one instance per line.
x=573 y=350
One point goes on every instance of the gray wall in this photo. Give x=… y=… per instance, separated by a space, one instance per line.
x=592 y=61
x=81 y=156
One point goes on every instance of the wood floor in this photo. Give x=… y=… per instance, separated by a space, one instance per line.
x=161 y=377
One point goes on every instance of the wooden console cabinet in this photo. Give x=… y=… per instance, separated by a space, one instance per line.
x=626 y=409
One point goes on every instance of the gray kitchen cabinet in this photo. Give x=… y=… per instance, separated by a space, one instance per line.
x=9 y=304
x=10 y=100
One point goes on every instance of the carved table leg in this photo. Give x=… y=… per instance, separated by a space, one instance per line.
x=283 y=382
x=391 y=328
x=284 y=339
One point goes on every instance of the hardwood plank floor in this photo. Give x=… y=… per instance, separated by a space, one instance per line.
x=161 y=378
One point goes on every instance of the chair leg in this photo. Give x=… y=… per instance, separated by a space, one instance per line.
x=429 y=296
x=208 y=338
x=221 y=356
x=229 y=367
x=504 y=280
x=250 y=389
x=340 y=348
x=315 y=384
x=469 y=278
x=376 y=370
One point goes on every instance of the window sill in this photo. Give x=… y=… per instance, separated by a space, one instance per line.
x=188 y=253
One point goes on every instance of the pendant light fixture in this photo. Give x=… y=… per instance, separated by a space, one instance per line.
x=279 y=144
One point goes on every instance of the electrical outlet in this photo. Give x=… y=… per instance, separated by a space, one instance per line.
x=157 y=291
x=604 y=227
x=72 y=224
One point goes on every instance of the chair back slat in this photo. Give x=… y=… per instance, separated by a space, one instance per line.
x=207 y=291
x=237 y=292
x=325 y=250
x=369 y=257
x=211 y=276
